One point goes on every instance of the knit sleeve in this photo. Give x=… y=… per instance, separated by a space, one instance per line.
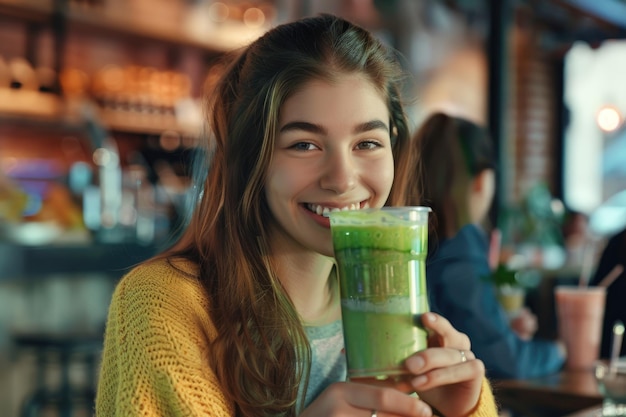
x=155 y=359
x=486 y=406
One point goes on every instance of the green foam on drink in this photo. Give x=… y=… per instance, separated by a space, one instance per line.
x=376 y=230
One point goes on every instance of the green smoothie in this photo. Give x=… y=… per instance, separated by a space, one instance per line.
x=380 y=258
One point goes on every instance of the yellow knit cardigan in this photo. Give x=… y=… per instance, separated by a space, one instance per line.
x=155 y=357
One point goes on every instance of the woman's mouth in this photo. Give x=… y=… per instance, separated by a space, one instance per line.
x=325 y=211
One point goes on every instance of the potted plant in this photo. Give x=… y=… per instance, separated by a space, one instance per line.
x=511 y=286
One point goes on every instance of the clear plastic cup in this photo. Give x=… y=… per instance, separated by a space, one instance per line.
x=612 y=386
x=380 y=255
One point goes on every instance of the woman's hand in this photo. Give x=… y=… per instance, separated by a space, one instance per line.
x=448 y=375
x=524 y=324
x=363 y=400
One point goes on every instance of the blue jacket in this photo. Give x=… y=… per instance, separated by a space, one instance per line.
x=455 y=272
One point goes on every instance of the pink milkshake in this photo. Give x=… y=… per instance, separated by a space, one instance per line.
x=580 y=311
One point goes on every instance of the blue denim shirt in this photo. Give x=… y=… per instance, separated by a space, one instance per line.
x=455 y=272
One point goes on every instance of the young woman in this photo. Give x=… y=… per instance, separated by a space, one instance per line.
x=458 y=183
x=242 y=316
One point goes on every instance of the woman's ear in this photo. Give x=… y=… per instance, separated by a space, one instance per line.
x=484 y=182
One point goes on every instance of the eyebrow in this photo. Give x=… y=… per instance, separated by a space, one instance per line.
x=317 y=129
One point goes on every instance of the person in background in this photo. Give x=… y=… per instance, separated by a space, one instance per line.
x=456 y=177
x=575 y=231
x=614 y=254
x=242 y=316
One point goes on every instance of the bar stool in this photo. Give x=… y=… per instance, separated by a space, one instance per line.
x=62 y=351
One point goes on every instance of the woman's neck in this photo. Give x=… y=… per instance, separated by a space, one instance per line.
x=326 y=311
x=311 y=283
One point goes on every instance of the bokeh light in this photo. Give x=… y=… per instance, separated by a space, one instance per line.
x=609 y=118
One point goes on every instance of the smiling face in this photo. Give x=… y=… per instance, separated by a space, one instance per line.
x=333 y=151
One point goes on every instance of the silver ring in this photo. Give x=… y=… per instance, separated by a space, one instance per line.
x=463 y=357
x=374 y=413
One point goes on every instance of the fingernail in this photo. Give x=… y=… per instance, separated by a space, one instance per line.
x=419 y=380
x=429 y=317
x=424 y=410
x=415 y=363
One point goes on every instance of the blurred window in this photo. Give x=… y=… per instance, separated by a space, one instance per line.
x=595 y=139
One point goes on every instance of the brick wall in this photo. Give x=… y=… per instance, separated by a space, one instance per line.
x=533 y=132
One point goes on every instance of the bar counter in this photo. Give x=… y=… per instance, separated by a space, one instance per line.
x=556 y=395
x=23 y=261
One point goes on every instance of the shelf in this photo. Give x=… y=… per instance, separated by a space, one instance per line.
x=50 y=110
x=27 y=10
x=30 y=104
x=104 y=22
x=19 y=261
x=87 y=21
x=145 y=124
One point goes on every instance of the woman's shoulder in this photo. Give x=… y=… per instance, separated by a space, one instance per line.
x=469 y=239
x=159 y=328
x=473 y=234
x=161 y=273
x=162 y=282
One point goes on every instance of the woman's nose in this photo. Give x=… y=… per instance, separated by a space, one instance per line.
x=339 y=174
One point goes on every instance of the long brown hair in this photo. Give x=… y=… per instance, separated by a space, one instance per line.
x=261 y=355
x=451 y=151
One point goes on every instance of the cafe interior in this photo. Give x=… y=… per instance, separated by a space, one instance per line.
x=101 y=117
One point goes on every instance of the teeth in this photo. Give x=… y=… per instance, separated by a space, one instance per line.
x=325 y=211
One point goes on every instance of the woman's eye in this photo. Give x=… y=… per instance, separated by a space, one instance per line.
x=368 y=144
x=303 y=146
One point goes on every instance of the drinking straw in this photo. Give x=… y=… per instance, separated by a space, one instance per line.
x=611 y=276
x=618 y=334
